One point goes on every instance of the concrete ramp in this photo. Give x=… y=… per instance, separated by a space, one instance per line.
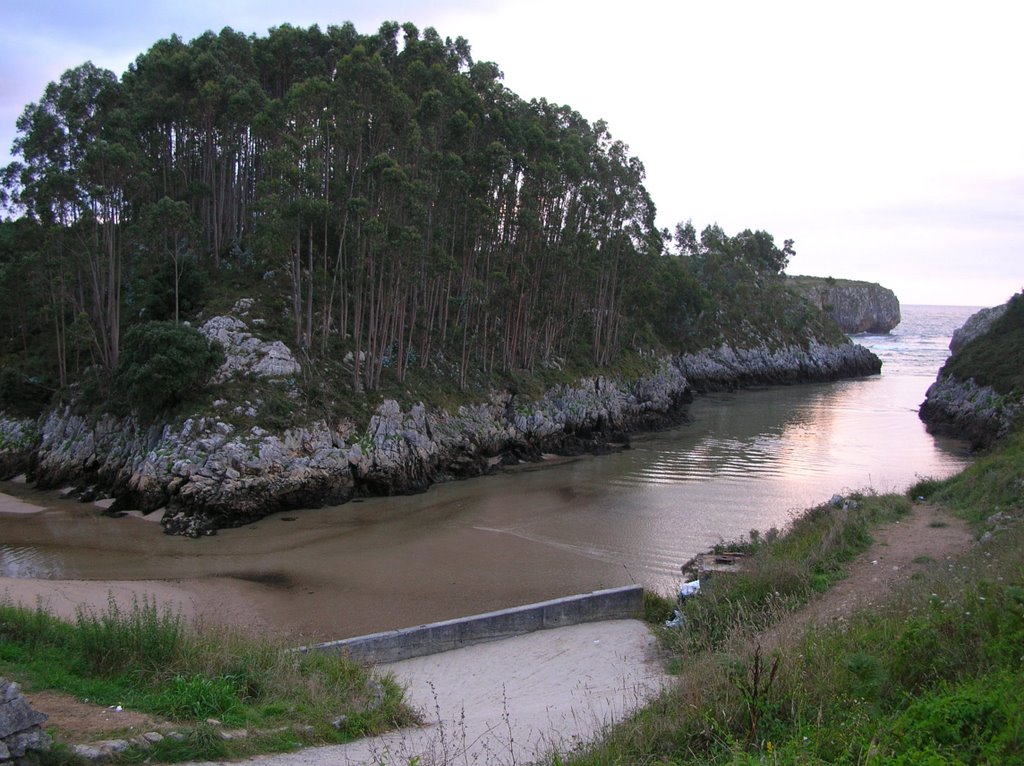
x=402 y=644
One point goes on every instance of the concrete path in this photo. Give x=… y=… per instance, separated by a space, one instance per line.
x=509 y=702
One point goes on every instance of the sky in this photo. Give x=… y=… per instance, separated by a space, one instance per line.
x=885 y=138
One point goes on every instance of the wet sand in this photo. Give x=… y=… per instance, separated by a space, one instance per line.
x=309 y=575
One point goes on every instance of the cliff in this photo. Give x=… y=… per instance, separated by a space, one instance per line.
x=210 y=473
x=855 y=306
x=978 y=394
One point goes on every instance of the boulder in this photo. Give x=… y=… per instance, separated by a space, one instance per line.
x=20 y=733
x=245 y=354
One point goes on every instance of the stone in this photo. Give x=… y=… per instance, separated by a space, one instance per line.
x=34 y=740
x=245 y=354
x=17 y=715
x=976 y=324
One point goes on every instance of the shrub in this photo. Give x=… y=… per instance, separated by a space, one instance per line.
x=160 y=365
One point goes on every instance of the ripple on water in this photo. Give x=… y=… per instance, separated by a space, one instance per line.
x=29 y=561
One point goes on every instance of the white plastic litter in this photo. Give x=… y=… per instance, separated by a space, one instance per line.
x=688 y=589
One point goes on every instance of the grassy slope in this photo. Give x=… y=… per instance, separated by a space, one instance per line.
x=995 y=358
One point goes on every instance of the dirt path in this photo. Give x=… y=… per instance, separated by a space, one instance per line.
x=927 y=534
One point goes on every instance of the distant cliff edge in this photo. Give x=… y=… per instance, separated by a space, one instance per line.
x=855 y=306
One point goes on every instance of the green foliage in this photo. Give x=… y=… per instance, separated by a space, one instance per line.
x=157 y=294
x=197 y=697
x=995 y=358
x=148 y=659
x=990 y=485
x=142 y=637
x=401 y=205
x=780 y=572
x=20 y=394
x=161 y=364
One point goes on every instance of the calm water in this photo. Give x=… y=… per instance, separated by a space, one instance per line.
x=748 y=460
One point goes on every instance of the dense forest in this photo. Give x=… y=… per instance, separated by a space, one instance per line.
x=404 y=205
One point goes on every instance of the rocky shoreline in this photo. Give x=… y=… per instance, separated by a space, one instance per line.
x=966 y=409
x=209 y=474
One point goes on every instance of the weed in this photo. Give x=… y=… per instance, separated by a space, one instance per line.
x=149 y=660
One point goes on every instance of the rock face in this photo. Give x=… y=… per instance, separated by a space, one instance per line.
x=727 y=368
x=963 y=408
x=966 y=410
x=855 y=306
x=208 y=473
x=977 y=324
x=21 y=737
x=246 y=354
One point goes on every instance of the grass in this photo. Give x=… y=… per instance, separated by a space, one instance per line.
x=995 y=358
x=933 y=675
x=149 y=660
x=991 y=485
x=781 y=573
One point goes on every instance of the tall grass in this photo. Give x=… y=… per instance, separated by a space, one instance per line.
x=780 y=573
x=150 y=660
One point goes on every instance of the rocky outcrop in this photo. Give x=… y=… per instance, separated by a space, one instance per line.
x=245 y=354
x=977 y=324
x=21 y=735
x=727 y=368
x=211 y=471
x=960 y=406
x=855 y=306
x=966 y=410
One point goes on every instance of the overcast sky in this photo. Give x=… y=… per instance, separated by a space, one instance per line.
x=885 y=138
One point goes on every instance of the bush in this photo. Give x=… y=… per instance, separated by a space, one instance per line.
x=21 y=394
x=160 y=365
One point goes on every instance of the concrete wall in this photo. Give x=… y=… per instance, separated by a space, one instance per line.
x=394 y=645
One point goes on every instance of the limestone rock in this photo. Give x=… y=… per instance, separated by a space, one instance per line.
x=245 y=354
x=727 y=368
x=964 y=408
x=208 y=474
x=855 y=306
x=20 y=732
x=977 y=324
